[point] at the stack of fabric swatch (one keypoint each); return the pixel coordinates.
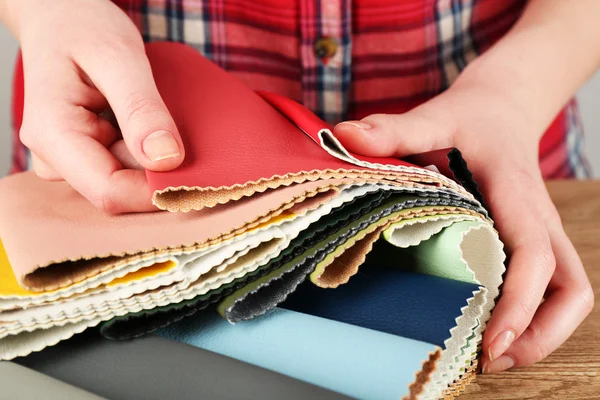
(371, 277)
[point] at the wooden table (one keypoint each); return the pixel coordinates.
(572, 371)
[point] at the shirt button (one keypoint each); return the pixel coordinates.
(325, 47)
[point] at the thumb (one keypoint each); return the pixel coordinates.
(148, 129)
(397, 135)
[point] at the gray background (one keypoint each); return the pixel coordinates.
(589, 98)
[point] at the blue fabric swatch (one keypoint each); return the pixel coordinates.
(417, 306)
(348, 359)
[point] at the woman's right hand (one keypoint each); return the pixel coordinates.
(81, 59)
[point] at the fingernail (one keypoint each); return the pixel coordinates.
(500, 344)
(160, 145)
(357, 124)
(501, 363)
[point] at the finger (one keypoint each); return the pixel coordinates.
(85, 162)
(64, 117)
(95, 173)
(532, 264)
(122, 73)
(120, 152)
(423, 129)
(65, 135)
(61, 102)
(94, 101)
(570, 299)
(87, 122)
(45, 73)
(570, 271)
(43, 170)
(89, 98)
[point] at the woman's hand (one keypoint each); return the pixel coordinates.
(82, 58)
(495, 113)
(496, 137)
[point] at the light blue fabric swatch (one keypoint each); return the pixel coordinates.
(348, 359)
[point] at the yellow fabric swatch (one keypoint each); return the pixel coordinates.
(8, 281)
(142, 273)
(284, 216)
(10, 287)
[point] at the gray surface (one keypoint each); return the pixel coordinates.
(589, 103)
(18, 382)
(8, 51)
(156, 368)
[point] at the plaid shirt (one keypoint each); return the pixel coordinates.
(347, 59)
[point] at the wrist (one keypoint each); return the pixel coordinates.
(504, 90)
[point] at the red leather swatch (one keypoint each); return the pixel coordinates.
(231, 135)
(234, 136)
(310, 124)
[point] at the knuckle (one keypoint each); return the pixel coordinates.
(539, 352)
(42, 174)
(552, 215)
(536, 350)
(105, 202)
(527, 176)
(110, 206)
(535, 353)
(522, 306)
(27, 137)
(546, 260)
(540, 255)
(45, 174)
(587, 297)
(379, 116)
(137, 107)
(526, 309)
(117, 46)
(96, 201)
(495, 200)
(379, 120)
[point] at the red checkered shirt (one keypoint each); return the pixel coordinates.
(347, 59)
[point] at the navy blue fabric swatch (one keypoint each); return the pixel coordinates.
(412, 305)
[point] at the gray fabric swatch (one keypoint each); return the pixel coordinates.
(156, 368)
(18, 382)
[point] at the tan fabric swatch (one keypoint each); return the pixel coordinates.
(55, 237)
(185, 199)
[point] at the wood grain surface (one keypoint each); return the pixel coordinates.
(572, 371)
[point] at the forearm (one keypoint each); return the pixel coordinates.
(540, 64)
